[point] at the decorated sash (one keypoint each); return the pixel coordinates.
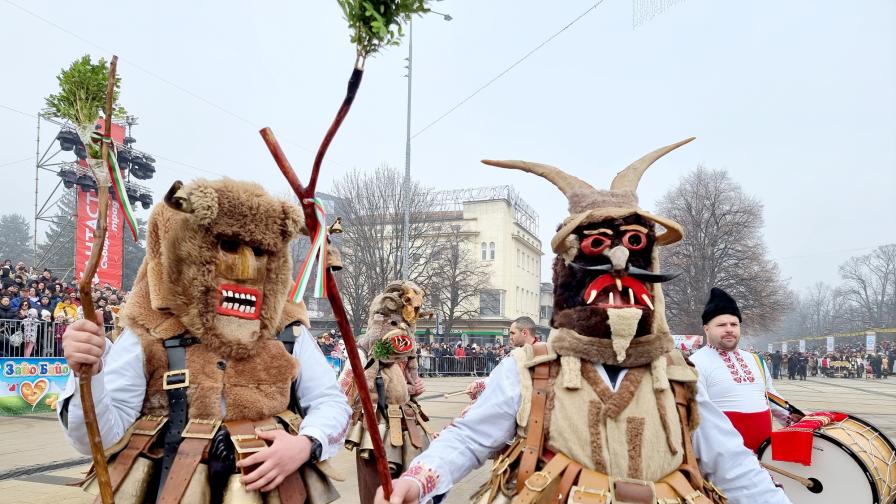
(794, 443)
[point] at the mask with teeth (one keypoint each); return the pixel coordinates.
(217, 265)
(606, 273)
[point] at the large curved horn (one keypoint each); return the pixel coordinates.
(628, 178)
(564, 181)
(177, 199)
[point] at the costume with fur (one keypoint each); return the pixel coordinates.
(606, 407)
(217, 271)
(391, 376)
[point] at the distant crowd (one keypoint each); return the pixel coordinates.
(36, 307)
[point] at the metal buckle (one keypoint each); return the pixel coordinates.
(247, 443)
(538, 481)
(647, 484)
(159, 422)
(393, 412)
(179, 372)
(579, 494)
(199, 435)
(692, 497)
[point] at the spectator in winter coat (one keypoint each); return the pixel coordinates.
(66, 308)
(7, 312)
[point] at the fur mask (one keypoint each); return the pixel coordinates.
(217, 265)
(393, 319)
(606, 272)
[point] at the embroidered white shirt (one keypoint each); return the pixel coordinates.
(119, 389)
(719, 374)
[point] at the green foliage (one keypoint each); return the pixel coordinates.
(378, 23)
(382, 349)
(82, 92)
(15, 239)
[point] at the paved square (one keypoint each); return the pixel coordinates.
(36, 462)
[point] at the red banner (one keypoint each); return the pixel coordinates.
(109, 269)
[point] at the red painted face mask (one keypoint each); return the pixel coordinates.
(401, 343)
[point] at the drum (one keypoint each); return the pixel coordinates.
(852, 462)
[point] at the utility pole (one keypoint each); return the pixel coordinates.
(406, 190)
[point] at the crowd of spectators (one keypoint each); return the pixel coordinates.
(36, 307)
(848, 360)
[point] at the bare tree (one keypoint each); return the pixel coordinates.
(722, 247)
(869, 284)
(370, 206)
(457, 278)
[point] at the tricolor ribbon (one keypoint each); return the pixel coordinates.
(318, 254)
(117, 181)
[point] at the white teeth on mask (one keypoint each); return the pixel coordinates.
(243, 296)
(618, 284)
(612, 301)
(647, 301)
(252, 297)
(591, 296)
(242, 309)
(230, 294)
(631, 297)
(252, 310)
(226, 306)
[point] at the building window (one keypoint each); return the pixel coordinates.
(490, 303)
(482, 249)
(491, 250)
(519, 258)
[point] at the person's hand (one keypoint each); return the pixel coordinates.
(404, 491)
(475, 388)
(794, 418)
(418, 387)
(283, 457)
(83, 344)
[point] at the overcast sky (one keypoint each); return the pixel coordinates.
(797, 100)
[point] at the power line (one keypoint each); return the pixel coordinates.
(29, 158)
(511, 67)
(26, 114)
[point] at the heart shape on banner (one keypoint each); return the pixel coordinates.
(31, 392)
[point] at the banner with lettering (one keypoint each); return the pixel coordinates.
(33, 385)
(830, 343)
(802, 345)
(784, 347)
(870, 341)
(771, 347)
(109, 269)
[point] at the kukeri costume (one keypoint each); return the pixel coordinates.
(209, 352)
(391, 371)
(606, 410)
(737, 381)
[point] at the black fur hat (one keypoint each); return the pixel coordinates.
(720, 303)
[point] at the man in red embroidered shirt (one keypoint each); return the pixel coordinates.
(736, 380)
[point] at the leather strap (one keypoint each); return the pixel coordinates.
(196, 437)
(683, 488)
(569, 478)
(288, 337)
(535, 425)
(176, 382)
(410, 420)
(689, 466)
(593, 488)
(145, 431)
(393, 414)
(422, 419)
(543, 482)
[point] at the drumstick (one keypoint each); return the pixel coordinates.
(803, 481)
(457, 393)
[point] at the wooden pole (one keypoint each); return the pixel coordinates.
(333, 295)
(85, 288)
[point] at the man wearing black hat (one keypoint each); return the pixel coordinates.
(736, 380)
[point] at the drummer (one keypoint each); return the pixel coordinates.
(736, 380)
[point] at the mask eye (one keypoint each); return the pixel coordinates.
(229, 246)
(634, 240)
(595, 244)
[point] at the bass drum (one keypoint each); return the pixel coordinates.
(852, 462)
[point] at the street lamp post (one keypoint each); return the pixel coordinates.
(406, 191)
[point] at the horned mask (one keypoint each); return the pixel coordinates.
(606, 272)
(393, 318)
(217, 265)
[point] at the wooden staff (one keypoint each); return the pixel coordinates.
(84, 287)
(453, 394)
(305, 196)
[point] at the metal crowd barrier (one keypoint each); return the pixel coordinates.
(48, 338)
(429, 366)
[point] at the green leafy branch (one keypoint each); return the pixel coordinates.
(82, 93)
(378, 23)
(382, 349)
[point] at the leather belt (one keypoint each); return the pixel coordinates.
(196, 437)
(414, 431)
(542, 482)
(535, 425)
(145, 431)
(393, 414)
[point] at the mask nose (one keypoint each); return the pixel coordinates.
(239, 265)
(618, 258)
